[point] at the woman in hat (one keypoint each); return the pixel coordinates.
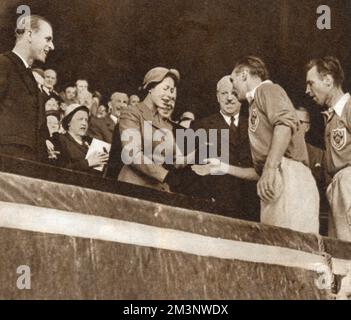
(141, 155)
(75, 142)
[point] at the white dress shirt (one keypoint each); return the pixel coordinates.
(228, 119)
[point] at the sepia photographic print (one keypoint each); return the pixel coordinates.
(194, 151)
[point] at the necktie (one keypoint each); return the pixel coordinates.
(232, 123)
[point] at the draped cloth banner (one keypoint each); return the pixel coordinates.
(82, 243)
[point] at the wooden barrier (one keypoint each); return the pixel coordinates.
(80, 243)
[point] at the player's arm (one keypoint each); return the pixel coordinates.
(280, 142)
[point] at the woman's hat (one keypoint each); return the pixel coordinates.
(70, 111)
(158, 74)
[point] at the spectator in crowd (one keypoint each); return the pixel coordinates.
(324, 82)
(52, 105)
(84, 97)
(119, 102)
(53, 122)
(95, 103)
(237, 196)
(75, 142)
(315, 155)
(50, 135)
(116, 105)
(69, 97)
(21, 111)
(102, 128)
(156, 109)
(50, 80)
(102, 111)
(133, 100)
(186, 119)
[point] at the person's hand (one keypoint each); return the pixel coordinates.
(98, 159)
(183, 161)
(212, 166)
(269, 186)
(51, 150)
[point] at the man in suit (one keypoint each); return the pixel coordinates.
(50, 80)
(115, 106)
(21, 113)
(84, 96)
(238, 197)
(104, 128)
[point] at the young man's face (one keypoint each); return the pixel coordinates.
(41, 42)
(317, 87)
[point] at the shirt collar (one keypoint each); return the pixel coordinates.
(339, 106)
(250, 96)
(114, 118)
(228, 119)
(19, 56)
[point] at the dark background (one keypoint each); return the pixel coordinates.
(114, 43)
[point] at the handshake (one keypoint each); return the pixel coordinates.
(212, 166)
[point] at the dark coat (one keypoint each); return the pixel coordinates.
(102, 128)
(114, 164)
(72, 154)
(21, 111)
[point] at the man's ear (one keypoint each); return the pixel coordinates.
(27, 36)
(217, 97)
(328, 80)
(244, 74)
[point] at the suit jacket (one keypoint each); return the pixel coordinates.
(237, 197)
(239, 146)
(144, 174)
(72, 154)
(114, 164)
(102, 128)
(21, 111)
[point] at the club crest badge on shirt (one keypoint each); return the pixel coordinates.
(338, 138)
(254, 120)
